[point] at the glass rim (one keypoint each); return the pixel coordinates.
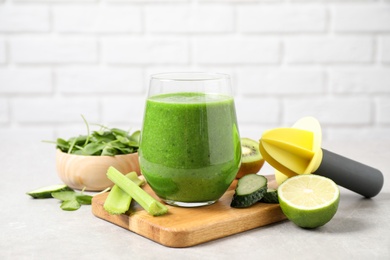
(189, 76)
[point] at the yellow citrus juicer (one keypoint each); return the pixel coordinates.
(297, 150)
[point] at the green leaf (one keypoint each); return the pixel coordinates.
(122, 139)
(84, 199)
(103, 136)
(106, 141)
(93, 149)
(109, 151)
(136, 136)
(70, 205)
(64, 195)
(119, 132)
(62, 144)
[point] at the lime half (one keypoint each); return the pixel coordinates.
(309, 200)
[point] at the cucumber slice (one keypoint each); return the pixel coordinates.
(45, 192)
(271, 196)
(250, 189)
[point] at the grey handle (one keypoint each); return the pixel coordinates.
(351, 174)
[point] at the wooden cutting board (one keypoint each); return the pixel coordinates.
(184, 227)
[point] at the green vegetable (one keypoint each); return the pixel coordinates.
(72, 200)
(105, 142)
(250, 189)
(118, 201)
(151, 205)
(70, 205)
(64, 195)
(45, 192)
(84, 199)
(271, 196)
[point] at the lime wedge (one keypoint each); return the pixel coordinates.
(309, 200)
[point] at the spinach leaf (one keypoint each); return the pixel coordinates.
(70, 205)
(71, 200)
(93, 149)
(105, 141)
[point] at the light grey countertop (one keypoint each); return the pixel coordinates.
(39, 229)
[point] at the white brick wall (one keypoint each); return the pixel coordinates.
(287, 59)
(145, 50)
(25, 18)
(329, 49)
(281, 81)
(360, 80)
(189, 19)
(3, 55)
(53, 50)
(81, 80)
(4, 117)
(385, 49)
(101, 19)
(46, 110)
(365, 17)
(230, 50)
(281, 19)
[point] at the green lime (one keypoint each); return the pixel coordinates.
(309, 200)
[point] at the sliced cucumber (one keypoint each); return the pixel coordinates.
(250, 189)
(45, 192)
(271, 196)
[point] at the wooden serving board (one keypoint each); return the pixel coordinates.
(184, 227)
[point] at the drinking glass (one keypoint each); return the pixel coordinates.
(190, 148)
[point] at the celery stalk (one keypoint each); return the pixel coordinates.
(151, 205)
(118, 201)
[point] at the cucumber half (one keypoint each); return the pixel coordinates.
(250, 189)
(45, 192)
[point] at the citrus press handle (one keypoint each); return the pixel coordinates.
(350, 174)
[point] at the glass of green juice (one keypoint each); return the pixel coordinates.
(190, 148)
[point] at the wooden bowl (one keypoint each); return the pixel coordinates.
(79, 171)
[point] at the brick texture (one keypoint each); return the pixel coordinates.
(361, 18)
(27, 50)
(99, 81)
(187, 19)
(25, 80)
(383, 111)
(26, 18)
(332, 111)
(137, 50)
(47, 110)
(4, 115)
(228, 50)
(385, 49)
(280, 81)
(286, 58)
(334, 49)
(360, 80)
(288, 19)
(92, 19)
(3, 57)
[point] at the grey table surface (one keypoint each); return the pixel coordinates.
(39, 229)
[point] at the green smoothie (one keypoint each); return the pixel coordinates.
(190, 147)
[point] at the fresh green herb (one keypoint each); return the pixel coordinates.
(72, 200)
(70, 205)
(103, 142)
(64, 195)
(118, 201)
(151, 205)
